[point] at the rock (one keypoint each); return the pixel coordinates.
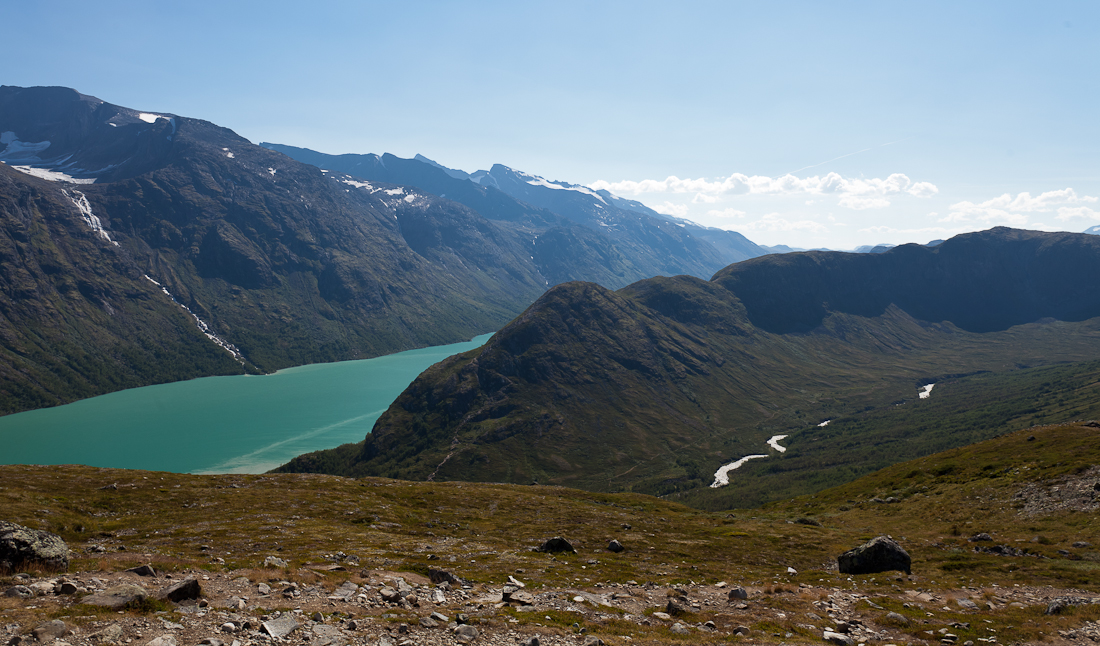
(19, 592)
(880, 554)
(211, 641)
(556, 544)
(465, 633)
(710, 625)
(143, 570)
(428, 622)
(967, 604)
(901, 620)
(118, 597)
(280, 627)
(664, 616)
(741, 630)
(385, 640)
(275, 562)
(112, 633)
(674, 608)
(615, 546)
(737, 593)
(317, 616)
(980, 537)
(1055, 607)
(679, 629)
(389, 595)
(837, 638)
(533, 640)
(438, 597)
(41, 588)
(443, 576)
(163, 640)
(67, 587)
(791, 570)
(21, 546)
(189, 588)
(440, 617)
(346, 590)
(516, 582)
(1080, 544)
(523, 598)
(843, 627)
(228, 627)
(593, 640)
(50, 630)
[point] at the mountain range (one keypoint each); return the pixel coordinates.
(653, 387)
(143, 247)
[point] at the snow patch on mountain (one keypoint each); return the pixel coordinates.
(52, 175)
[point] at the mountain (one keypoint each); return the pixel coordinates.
(655, 386)
(622, 239)
(139, 248)
(1093, 230)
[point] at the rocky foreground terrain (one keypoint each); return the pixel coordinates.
(324, 607)
(998, 540)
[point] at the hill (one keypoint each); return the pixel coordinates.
(139, 248)
(654, 387)
(1028, 493)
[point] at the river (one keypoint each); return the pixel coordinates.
(237, 424)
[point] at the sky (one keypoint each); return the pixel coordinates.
(809, 124)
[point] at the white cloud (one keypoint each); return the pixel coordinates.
(773, 222)
(857, 193)
(860, 203)
(739, 184)
(726, 213)
(675, 210)
(1077, 213)
(1010, 210)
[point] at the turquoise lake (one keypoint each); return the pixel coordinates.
(238, 424)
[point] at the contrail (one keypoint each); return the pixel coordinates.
(890, 143)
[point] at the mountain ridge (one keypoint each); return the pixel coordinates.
(653, 387)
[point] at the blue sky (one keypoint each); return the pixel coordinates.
(802, 123)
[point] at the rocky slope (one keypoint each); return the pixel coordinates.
(1001, 553)
(140, 248)
(653, 387)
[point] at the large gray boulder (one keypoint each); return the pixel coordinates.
(118, 597)
(880, 554)
(21, 546)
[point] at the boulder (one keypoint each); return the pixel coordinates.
(19, 592)
(466, 633)
(443, 576)
(189, 588)
(737, 593)
(880, 554)
(615, 546)
(21, 546)
(280, 627)
(143, 570)
(556, 544)
(275, 562)
(163, 640)
(50, 630)
(679, 629)
(118, 597)
(837, 638)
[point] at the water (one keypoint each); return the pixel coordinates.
(238, 424)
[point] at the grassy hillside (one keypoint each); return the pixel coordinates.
(1032, 490)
